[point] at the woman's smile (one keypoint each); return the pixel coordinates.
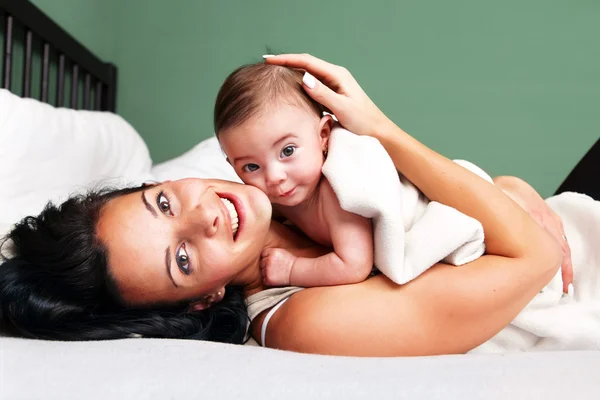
(234, 212)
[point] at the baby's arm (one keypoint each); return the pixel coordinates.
(350, 262)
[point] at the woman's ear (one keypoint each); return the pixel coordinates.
(325, 126)
(207, 301)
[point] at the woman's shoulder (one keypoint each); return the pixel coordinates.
(265, 299)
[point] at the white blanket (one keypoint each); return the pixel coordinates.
(410, 233)
(553, 321)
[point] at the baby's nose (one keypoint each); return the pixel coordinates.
(275, 176)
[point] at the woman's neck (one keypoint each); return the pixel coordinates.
(279, 236)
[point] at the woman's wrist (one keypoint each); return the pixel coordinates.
(386, 131)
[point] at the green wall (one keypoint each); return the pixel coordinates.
(512, 86)
(90, 21)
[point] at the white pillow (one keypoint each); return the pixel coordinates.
(47, 153)
(205, 160)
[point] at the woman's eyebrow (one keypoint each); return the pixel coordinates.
(148, 206)
(168, 250)
(168, 264)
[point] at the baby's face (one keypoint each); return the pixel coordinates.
(280, 151)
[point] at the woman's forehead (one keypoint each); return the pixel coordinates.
(124, 213)
(133, 239)
(126, 223)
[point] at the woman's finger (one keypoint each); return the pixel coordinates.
(567, 267)
(321, 93)
(567, 264)
(567, 275)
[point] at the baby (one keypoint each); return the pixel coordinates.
(275, 136)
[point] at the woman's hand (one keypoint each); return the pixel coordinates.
(336, 89)
(526, 197)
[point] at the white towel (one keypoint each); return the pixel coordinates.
(410, 233)
(553, 321)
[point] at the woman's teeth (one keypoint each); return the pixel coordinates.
(233, 213)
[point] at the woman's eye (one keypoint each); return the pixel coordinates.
(288, 151)
(164, 205)
(250, 167)
(183, 261)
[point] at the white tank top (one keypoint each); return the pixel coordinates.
(270, 298)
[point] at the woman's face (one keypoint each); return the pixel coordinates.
(179, 240)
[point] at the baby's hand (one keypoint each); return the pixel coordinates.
(276, 266)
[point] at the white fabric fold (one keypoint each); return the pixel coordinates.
(554, 321)
(410, 233)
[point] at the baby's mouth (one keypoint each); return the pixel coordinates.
(288, 193)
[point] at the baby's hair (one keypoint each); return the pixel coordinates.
(251, 88)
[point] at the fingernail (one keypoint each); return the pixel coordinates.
(309, 80)
(268, 55)
(571, 290)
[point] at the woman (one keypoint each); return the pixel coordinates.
(169, 261)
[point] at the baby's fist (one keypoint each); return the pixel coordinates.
(276, 266)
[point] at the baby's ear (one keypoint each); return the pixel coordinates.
(224, 154)
(325, 126)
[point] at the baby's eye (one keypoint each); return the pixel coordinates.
(250, 167)
(288, 151)
(183, 261)
(164, 204)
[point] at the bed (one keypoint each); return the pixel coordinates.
(99, 146)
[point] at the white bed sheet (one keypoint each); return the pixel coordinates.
(180, 369)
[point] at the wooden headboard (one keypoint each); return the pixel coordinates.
(92, 83)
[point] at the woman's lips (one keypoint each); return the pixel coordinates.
(230, 213)
(239, 208)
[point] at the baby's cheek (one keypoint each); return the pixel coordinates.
(313, 173)
(244, 178)
(254, 182)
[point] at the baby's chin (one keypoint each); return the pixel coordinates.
(288, 202)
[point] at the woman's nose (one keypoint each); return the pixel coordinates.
(204, 218)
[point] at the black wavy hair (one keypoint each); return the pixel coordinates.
(56, 285)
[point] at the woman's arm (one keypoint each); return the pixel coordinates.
(529, 200)
(447, 309)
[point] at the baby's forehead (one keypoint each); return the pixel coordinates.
(267, 101)
(274, 113)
